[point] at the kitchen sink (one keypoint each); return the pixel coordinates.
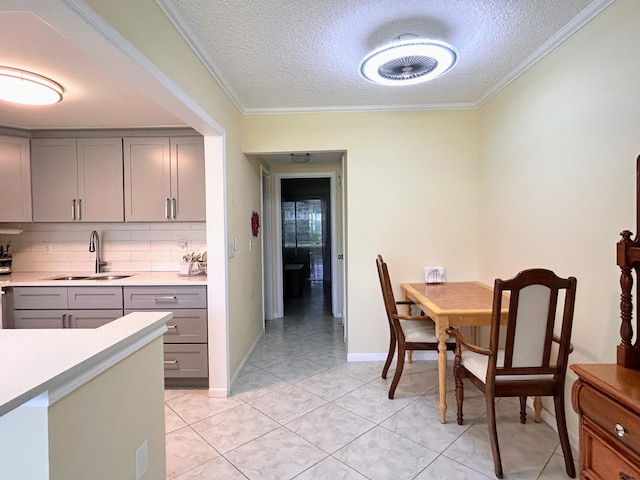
(108, 277)
(70, 277)
(89, 277)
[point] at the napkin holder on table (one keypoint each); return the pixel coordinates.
(434, 275)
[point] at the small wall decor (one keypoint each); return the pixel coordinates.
(255, 223)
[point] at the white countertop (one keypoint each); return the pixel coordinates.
(43, 279)
(58, 361)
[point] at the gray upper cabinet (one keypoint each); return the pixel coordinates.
(77, 179)
(15, 180)
(164, 179)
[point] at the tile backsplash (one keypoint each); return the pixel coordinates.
(126, 247)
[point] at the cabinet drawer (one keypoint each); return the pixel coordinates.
(603, 461)
(39, 318)
(165, 298)
(606, 414)
(95, 297)
(92, 318)
(181, 360)
(186, 326)
(39, 298)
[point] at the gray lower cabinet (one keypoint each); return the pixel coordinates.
(185, 343)
(64, 318)
(65, 307)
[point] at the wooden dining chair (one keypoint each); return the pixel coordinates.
(531, 360)
(406, 332)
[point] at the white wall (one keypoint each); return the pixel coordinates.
(411, 188)
(557, 152)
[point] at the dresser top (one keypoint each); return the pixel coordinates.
(619, 382)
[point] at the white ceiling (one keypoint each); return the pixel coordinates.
(303, 55)
(277, 56)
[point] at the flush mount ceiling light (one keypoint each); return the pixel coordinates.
(300, 157)
(407, 61)
(26, 88)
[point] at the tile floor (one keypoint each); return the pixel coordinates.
(300, 411)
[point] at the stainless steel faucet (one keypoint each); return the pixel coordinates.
(94, 246)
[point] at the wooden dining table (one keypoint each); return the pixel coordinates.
(453, 304)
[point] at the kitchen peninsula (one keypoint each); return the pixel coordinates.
(80, 403)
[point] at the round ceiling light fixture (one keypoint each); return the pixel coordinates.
(407, 61)
(27, 88)
(300, 157)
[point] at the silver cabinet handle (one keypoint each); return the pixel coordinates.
(173, 208)
(171, 365)
(620, 430)
(65, 323)
(172, 330)
(79, 216)
(167, 299)
(73, 209)
(167, 206)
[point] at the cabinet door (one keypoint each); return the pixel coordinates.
(187, 179)
(100, 180)
(147, 186)
(54, 176)
(92, 318)
(39, 318)
(15, 181)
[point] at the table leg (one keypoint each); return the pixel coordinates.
(441, 332)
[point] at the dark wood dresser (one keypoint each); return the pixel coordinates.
(607, 399)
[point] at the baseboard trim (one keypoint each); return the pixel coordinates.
(381, 357)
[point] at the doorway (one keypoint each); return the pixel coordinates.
(306, 247)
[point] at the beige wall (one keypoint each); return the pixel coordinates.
(233, 183)
(94, 431)
(411, 187)
(557, 172)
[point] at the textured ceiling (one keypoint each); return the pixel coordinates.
(275, 56)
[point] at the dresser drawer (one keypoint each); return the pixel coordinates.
(186, 326)
(609, 415)
(165, 298)
(188, 360)
(601, 460)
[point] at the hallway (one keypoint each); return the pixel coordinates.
(300, 411)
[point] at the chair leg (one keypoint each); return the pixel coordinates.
(523, 409)
(493, 434)
(399, 367)
(457, 359)
(459, 397)
(410, 356)
(561, 421)
(392, 351)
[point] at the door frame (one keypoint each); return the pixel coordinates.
(279, 284)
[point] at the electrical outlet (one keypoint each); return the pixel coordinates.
(142, 459)
(47, 248)
(183, 244)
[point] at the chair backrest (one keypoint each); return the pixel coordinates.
(534, 296)
(387, 290)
